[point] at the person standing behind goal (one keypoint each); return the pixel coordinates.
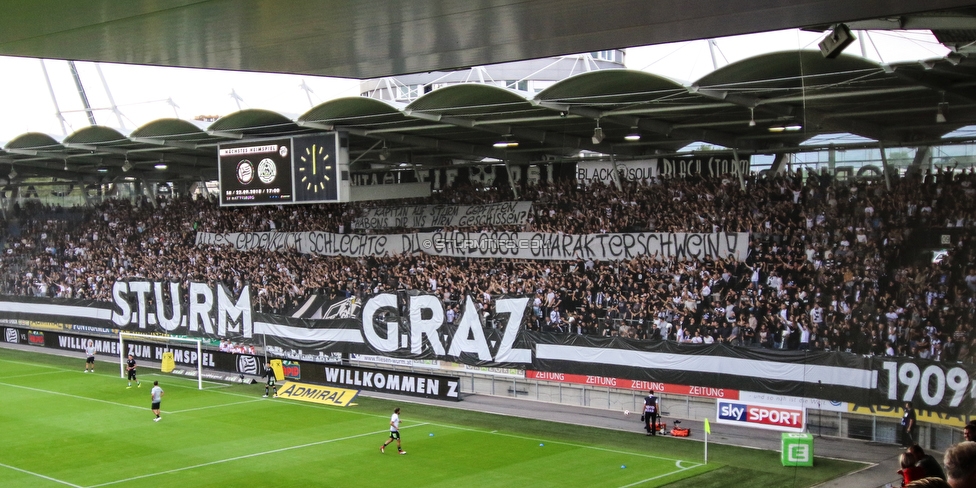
(130, 367)
(90, 356)
(270, 374)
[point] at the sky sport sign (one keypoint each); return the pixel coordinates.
(771, 417)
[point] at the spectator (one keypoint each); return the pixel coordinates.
(960, 465)
(927, 463)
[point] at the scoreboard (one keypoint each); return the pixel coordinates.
(279, 171)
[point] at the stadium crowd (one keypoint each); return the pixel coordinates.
(831, 266)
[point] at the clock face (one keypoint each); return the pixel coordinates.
(315, 171)
(316, 175)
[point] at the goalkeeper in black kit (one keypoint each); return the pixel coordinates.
(270, 374)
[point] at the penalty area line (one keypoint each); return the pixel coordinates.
(34, 374)
(665, 475)
(36, 365)
(246, 456)
(216, 384)
(39, 475)
(569, 444)
(215, 406)
(72, 396)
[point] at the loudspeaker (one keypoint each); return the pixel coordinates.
(835, 42)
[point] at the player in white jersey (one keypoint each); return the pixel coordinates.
(157, 396)
(90, 356)
(394, 432)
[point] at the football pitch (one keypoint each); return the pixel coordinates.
(63, 427)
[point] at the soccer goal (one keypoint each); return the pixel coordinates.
(152, 342)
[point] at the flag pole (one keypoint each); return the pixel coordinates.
(708, 430)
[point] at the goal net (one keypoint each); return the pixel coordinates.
(145, 347)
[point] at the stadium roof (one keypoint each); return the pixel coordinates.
(767, 104)
(762, 105)
(376, 38)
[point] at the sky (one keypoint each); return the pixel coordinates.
(146, 93)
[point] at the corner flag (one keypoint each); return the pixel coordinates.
(708, 430)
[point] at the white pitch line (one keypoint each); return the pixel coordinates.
(36, 365)
(32, 374)
(72, 396)
(246, 456)
(665, 475)
(581, 446)
(215, 406)
(171, 377)
(123, 404)
(40, 475)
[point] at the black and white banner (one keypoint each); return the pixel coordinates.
(426, 216)
(399, 382)
(518, 245)
(588, 172)
(711, 166)
(413, 325)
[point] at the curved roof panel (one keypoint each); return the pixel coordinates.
(168, 129)
(356, 111)
(468, 99)
(97, 135)
(254, 122)
(610, 86)
(33, 140)
(351, 108)
(790, 69)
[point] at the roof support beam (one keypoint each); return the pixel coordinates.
(777, 106)
(428, 142)
(921, 155)
(935, 82)
(862, 128)
(524, 133)
(118, 151)
(645, 123)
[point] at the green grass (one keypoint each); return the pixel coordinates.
(61, 427)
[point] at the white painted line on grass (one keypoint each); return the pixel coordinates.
(72, 396)
(40, 475)
(665, 475)
(581, 446)
(36, 365)
(184, 378)
(124, 404)
(215, 406)
(32, 374)
(246, 456)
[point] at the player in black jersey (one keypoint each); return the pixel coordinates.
(270, 374)
(130, 367)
